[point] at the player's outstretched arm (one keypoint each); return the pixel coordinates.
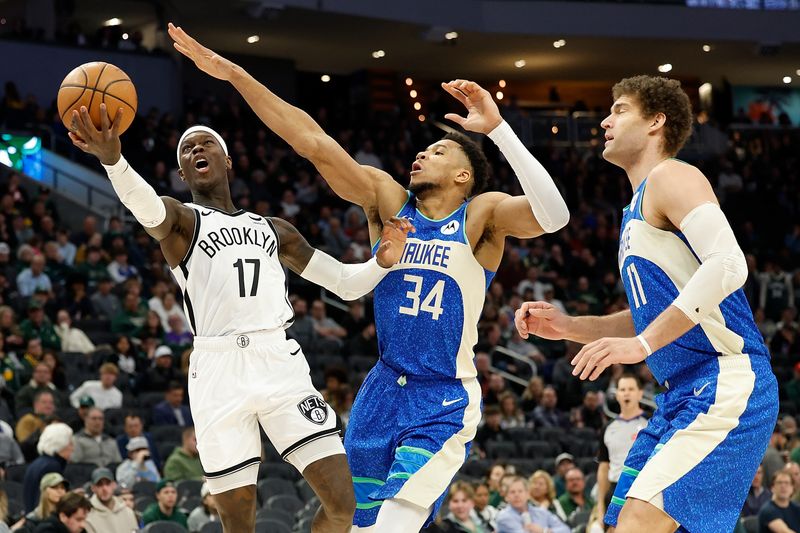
(544, 320)
(541, 209)
(164, 218)
(348, 282)
(346, 177)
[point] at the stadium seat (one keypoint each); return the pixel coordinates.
(476, 467)
(304, 490)
(212, 527)
(537, 449)
(587, 434)
(143, 502)
(190, 502)
(274, 485)
(521, 435)
(303, 526)
(281, 470)
(144, 488)
(750, 524)
(587, 464)
(361, 363)
(280, 515)
(188, 487)
(149, 399)
(272, 526)
(13, 490)
(167, 433)
(271, 455)
(163, 526)
(578, 518)
(79, 473)
(286, 502)
(501, 450)
(166, 447)
(16, 472)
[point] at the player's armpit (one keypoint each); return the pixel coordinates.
(176, 232)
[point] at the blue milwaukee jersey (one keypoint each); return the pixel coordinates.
(655, 266)
(427, 308)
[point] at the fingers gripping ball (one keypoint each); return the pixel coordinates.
(92, 84)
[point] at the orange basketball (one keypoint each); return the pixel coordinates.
(92, 84)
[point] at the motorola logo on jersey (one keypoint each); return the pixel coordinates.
(450, 228)
(314, 409)
(215, 241)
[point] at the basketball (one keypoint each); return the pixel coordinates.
(92, 84)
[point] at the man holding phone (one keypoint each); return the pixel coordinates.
(138, 466)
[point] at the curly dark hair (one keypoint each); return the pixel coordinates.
(477, 160)
(655, 95)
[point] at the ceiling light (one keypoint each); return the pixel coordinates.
(787, 79)
(377, 54)
(413, 93)
(706, 48)
(666, 67)
(451, 35)
(559, 43)
(798, 72)
(124, 36)
(499, 95)
(554, 129)
(325, 78)
(519, 63)
(502, 83)
(417, 106)
(3, 20)
(421, 118)
(113, 22)
(253, 39)
(409, 82)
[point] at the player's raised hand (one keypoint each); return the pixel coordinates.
(482, 113)
(602, 353)
(541, 319)
(206, 59)
(393, 240)
(103, 143)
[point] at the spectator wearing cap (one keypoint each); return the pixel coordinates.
(94, 446)
(52, 488)
(164, 507)
(37, 325)
(564, 462)
(134, 427)
(105, 303)
(72, 339)
(69, 516)
(163, 372)
(138, 466)
(172, 411)
(44, 405)
(55, 448)
(84, 404)
(33, 277)
(109, 513)
(204, 513)
(103, 391)
(42, 380)
(184, 461)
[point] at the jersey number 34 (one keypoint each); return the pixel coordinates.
(432, 303)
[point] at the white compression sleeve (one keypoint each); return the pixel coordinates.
(723, 268)
(136, 194)
(348, 282)
(546, 202)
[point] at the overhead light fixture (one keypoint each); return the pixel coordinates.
(325, 78)
(124, 36)
(666, 67)
(502, 83)
(798, 72)
(417, 106)
(113, 22)
(451, 35)
(421, 118)
(409, 82)
(519, 63)
(253, 39)
(706, 48)
(2, 21)
(377, 54)
(554, 129)
(559, 43)
(413, 93)
(787, 79)
(499, 95)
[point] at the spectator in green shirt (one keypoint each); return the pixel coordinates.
(793, 387)
(130, 318)
(184, 462)
(93, 269)
(575, 499)
(165, 507)
(39, 326)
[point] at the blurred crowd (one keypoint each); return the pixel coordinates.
(92, 328)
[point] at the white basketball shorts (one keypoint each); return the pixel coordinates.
(240, 381)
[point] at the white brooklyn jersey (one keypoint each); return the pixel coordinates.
(231, 278)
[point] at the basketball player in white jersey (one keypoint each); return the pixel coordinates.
(417, 412)
(243, 370)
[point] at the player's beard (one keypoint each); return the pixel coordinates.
(423, 189)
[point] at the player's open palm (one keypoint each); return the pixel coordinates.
(206, 59)
(482, 113)
(541, 319)
(393, 240)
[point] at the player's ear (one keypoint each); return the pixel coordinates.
(463, 176)
(180, 173)
(228, 162)
(658, 121)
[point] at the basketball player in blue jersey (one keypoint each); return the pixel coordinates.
(683, 270)
(244, 372)
(418, 410)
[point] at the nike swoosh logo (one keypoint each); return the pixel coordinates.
(206, 213)
(445, 403)
(295, 352)
(698, 392)
(256, 218)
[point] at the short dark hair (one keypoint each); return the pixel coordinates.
(71, 503)
(477, 160)
(634, 377)
(657, 94)
(491, 410)
(38, 394)
(174, 385)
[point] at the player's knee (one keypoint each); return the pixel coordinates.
(341, 506)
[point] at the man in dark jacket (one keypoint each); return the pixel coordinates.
(172, 411)
(69, 517)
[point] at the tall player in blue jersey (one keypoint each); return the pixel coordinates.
(683, 270)
(418, 410)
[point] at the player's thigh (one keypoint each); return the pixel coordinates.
(637, 516)
(330, 479)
